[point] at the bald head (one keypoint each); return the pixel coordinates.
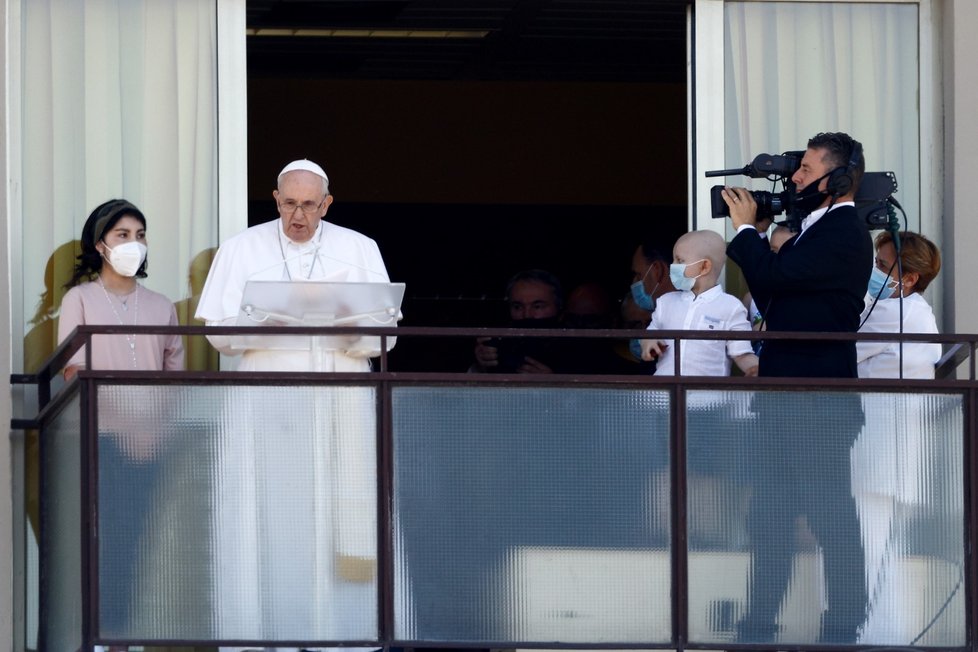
(704, 244)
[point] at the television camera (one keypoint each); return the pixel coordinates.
(874, 201)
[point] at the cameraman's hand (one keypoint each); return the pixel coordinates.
(743, 208)
(486, 356)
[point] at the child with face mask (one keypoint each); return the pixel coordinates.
(715, 423)
(699, 303)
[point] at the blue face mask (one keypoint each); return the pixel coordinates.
(878, 280)
(677, 274)
(643, 299)
(635, 347)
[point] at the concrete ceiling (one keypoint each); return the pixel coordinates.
(512, 40)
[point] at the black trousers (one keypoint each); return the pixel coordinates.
(802, 468)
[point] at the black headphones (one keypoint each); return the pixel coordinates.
(841, 180)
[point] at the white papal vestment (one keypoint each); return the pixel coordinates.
(295, 492)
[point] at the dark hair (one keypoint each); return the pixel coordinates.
(102, 219)
(539, 276)
(917, 254)
(652, 254)
(839, 150)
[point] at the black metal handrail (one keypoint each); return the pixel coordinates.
(960, 349)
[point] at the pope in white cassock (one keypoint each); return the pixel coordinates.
(295, 523)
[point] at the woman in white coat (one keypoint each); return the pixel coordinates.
(890, 456)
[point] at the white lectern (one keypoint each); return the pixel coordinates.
(318, 303)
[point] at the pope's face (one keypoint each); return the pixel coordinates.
(301, 203)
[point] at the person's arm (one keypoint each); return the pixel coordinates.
(743, 208)
(828, 258)
(223, 342)
(748, 363)
(652, 349)
(740, 351)
(72, 315)
(220, 298)
(883, 319)
(486, 355)
(533, 366)
(173, 350)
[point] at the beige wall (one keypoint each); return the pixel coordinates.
(959, 21)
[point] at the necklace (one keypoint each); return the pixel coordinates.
(130, 338)
(314, 251)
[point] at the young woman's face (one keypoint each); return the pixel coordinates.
(127, 229)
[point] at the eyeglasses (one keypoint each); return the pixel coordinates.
(290, 206)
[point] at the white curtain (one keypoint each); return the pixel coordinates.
(119, 99)
(793, 69)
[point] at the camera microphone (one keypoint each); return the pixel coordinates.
(729, 173)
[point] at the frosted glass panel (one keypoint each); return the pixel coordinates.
(907, 468)
(242, 513)
(531, 514)
(825, 518)
(61, 569)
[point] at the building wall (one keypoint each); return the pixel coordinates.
(960, 94)
(6, 480)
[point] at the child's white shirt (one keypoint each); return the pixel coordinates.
(714, 310)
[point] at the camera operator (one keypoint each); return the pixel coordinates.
(816, 282)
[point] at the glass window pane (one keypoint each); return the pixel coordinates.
(531, 514)
(825, 517)
(61, 567)
(238, 512)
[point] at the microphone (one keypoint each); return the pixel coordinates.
(729, 172)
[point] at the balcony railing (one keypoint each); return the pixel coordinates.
(442, 509)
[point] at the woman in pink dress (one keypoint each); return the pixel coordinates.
(105, 289)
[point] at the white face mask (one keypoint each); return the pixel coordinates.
(127, 258)
(677, 274)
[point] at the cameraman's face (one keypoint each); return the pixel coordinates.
(532, 300)
(813, 167)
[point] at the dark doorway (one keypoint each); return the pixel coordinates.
(551, 135)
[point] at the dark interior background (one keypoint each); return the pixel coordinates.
(556, 138)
